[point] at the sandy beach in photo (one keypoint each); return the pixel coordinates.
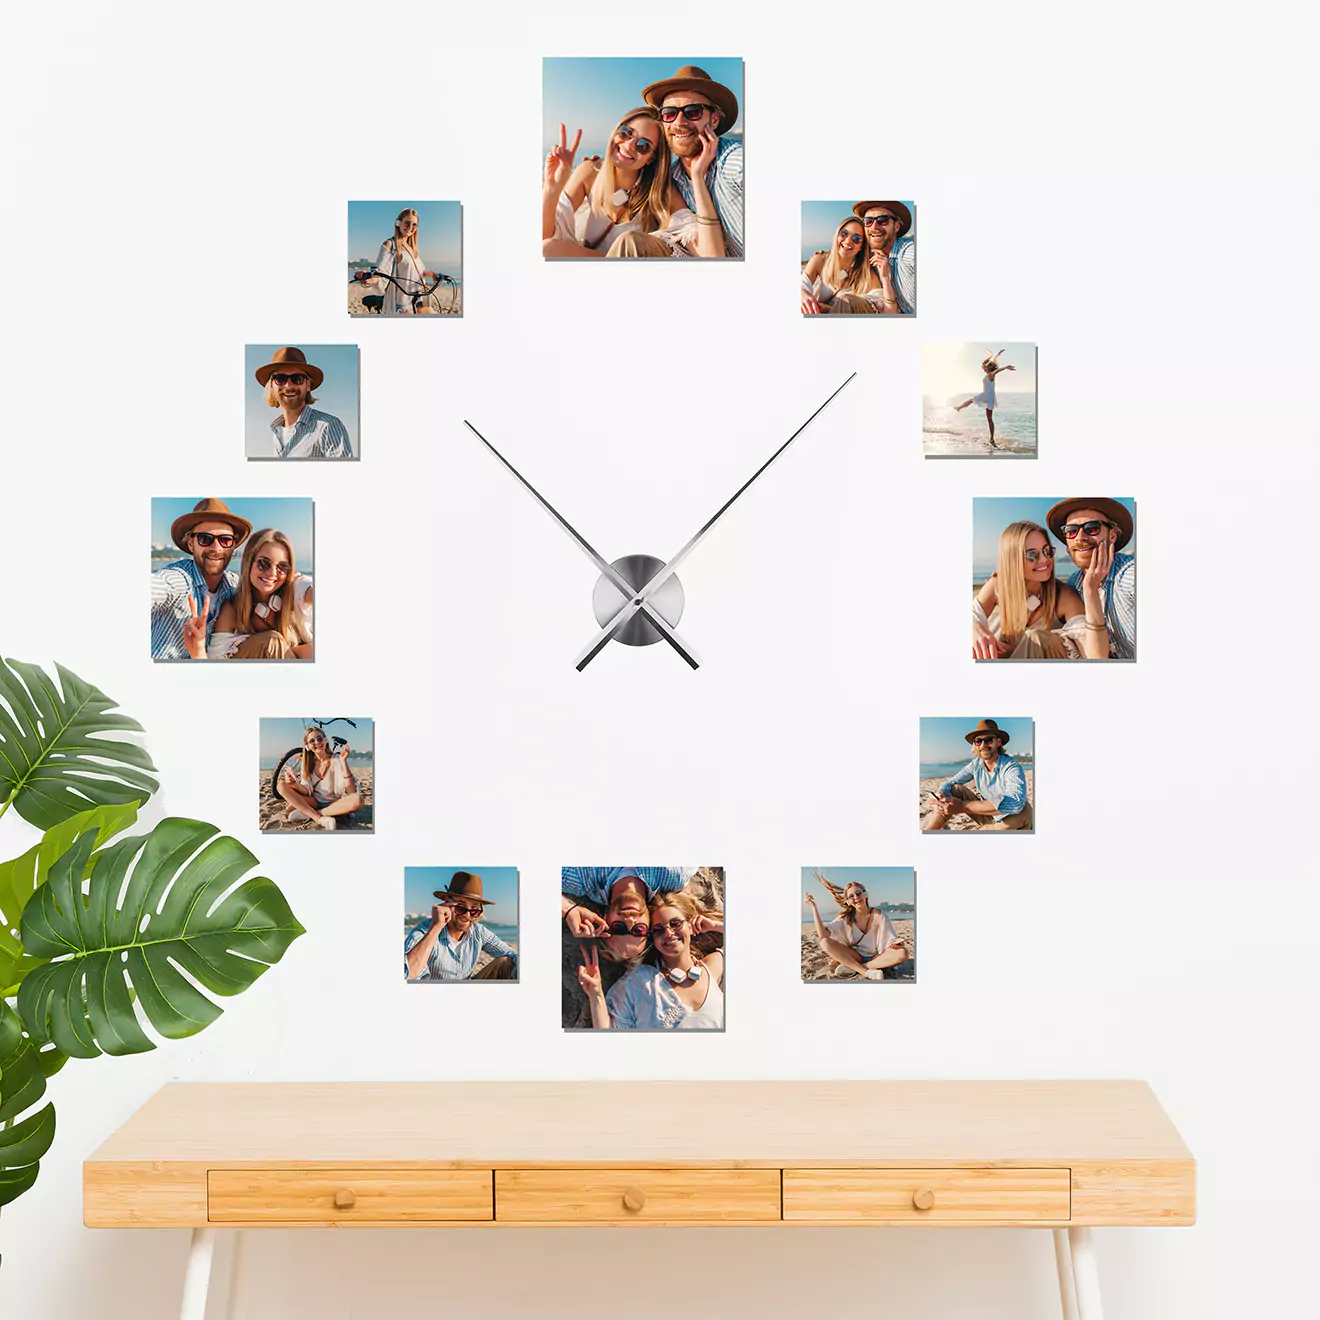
(928, 786)
(356, 307)
(272, 811)
(816, 964)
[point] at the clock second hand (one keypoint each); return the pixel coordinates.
(617, 580)
(638, 598)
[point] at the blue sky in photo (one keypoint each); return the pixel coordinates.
(594, 94)
(499, 885)
(949, 369)
(293, 517)
(990, 515)
(337, 394)
(278, 735)
(942, 736)
(884, 884)
(439, 232)
(821, 221)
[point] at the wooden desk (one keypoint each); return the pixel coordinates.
(1066, 1156)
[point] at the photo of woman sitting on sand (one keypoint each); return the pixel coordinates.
(831, 278)
(585, 210)
(861, 943)
(315, 777)
(645, 962)
(269, 616)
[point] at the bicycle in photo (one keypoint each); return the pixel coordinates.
(375, 302)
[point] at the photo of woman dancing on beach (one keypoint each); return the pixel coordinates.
(1024, 612)
(585, 210)
(838, 280)
(318, 785)
(400, 257)
(270, 614)
(986, 399)
(860, 941)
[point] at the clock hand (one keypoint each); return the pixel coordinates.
(620, 583)
(637, 599)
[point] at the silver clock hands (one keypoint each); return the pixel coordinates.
(620, 583)
(638, 599)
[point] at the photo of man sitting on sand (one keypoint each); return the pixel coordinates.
(464, 924)
(859, 259)
(992, 791)
(664, 177)
(642, 948)
(316, 774)
(859, 923)
(281, 377)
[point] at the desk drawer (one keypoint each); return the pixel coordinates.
(353, 1196)
(927, 1195)
(629, 1196)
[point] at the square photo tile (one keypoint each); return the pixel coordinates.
(642, 948)
(316, 776)
(859, 923)
(859, 258)
(642, 158)
(460, 923)
(300, 401)
(977, 773)
(978, 401)
(231, 578)
(1054, 579)
(405, 258)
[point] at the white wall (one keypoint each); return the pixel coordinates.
(1134, 190)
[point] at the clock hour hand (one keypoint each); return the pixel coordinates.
(638, 599)
(620, 583)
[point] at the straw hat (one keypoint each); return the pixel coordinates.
(286, 358)
(1111, 509)
(988, 726)
(904, 215)
(463, 885)
(690, 78)
(208, 511)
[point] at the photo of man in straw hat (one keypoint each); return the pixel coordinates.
(990, 790)
(298, 430)
(858, 259)
(453, 943)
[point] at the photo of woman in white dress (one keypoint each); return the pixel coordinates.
(400, 257)
(986, 399)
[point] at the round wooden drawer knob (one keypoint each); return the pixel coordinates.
(633, 1199)
(923, 1199)
(345, 1200)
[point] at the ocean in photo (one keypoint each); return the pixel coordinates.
(943, 769)
(949, 434)
(509, 934)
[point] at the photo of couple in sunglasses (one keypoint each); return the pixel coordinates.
(1054, 579)
(643, 158)
(859, 258)
(642, 948)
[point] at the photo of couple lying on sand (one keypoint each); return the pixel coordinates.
(1022, 611)
(669, 179)
(202, 609)
(642, 948)
(868, 931)
(310, 779)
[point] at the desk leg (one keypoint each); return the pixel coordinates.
(1086, 1276)
(236, 1301)
(197, 1281)
(1063, 1261)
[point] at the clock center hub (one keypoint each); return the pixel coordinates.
(637, 570)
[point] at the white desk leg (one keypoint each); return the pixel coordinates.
(236, 1302)
(197, 1281)
(1063, 1261)
(1085, 1274)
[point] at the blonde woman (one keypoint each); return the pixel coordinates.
(673, 987)
(1025, 613)
(986, 399)
(839, 280)
(269, 616)
(318, 785)
(584, 211)
(399, 256)
(860, 939)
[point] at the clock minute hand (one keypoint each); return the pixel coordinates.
(620, 583)
(638, 599)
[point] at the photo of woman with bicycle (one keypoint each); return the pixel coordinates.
(316, 774)
(417, 269)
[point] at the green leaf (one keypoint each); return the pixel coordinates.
(51, 765)
(22, 1084)
(20, 879)
(105, 951)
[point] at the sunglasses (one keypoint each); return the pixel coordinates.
(674, 923)
(1091, 527)
(978, 742)
(1032, 555)
(849, 238)
(226, 539)
(623, 928)
(289, 378)
(872, 220)
(265, 565)
(644, 145)
(669, 113)
(462, 909)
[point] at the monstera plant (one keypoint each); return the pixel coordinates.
(104, 935)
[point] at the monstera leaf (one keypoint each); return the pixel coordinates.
(20, 879)
(22, 1084)
(51, 764)
(177, 930)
